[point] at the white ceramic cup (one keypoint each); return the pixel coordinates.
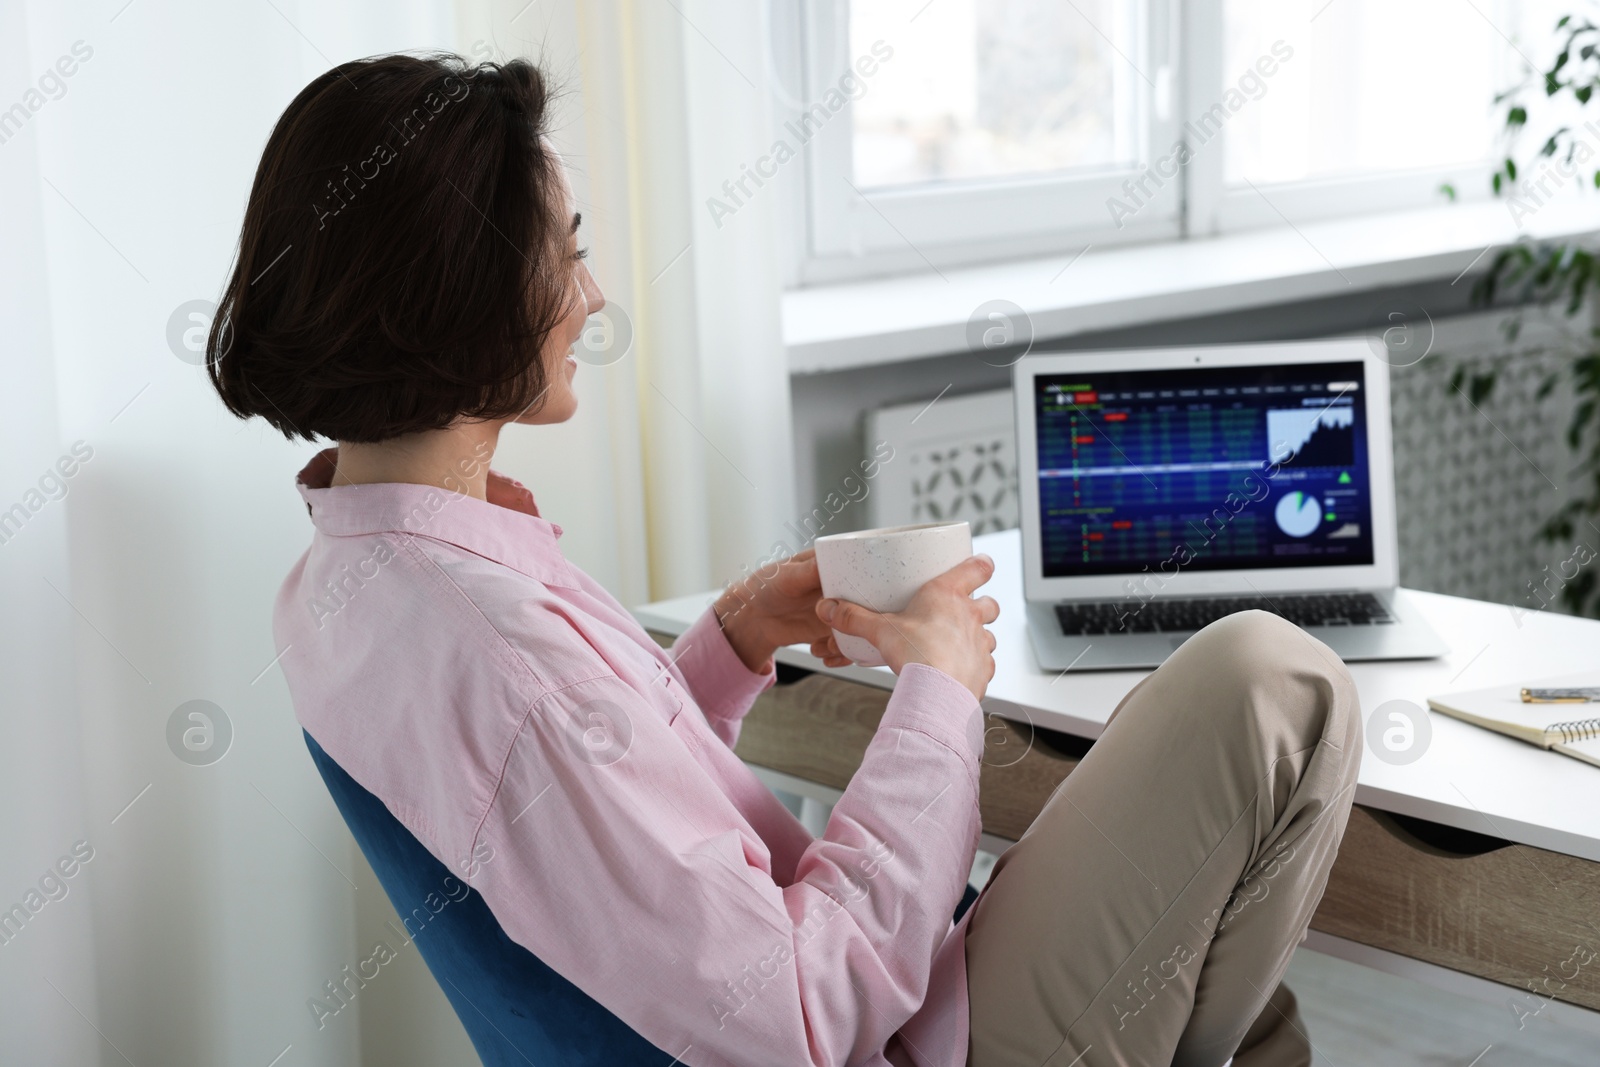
(883, 569)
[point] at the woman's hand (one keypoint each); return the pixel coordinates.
(942, 626)
(773, 608)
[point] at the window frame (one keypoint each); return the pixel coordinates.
(889, 229)
(849, 233)
(1212, 208)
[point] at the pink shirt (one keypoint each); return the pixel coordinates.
(526, 729)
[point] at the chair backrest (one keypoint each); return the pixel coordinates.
(515, 1009)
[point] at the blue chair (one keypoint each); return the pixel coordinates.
(515, 1009)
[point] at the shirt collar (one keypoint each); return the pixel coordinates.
(506, 528)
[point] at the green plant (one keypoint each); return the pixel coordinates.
(1555, 276)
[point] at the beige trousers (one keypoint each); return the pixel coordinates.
(1149, 913)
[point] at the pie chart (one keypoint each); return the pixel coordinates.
(1298, 515)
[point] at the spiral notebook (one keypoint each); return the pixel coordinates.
(1570, 729)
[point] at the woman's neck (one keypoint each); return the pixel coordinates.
(455, 458)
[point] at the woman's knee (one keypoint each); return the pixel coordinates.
(1266, 665)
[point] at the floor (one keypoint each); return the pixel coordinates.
(1358, 1017)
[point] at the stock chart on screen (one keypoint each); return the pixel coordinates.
(1208, 468)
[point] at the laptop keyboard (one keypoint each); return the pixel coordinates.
(1182, 616)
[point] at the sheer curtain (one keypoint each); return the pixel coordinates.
(670, 99)
(221, 894)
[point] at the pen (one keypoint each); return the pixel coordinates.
(1560, 696)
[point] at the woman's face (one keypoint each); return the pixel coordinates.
(584, 298)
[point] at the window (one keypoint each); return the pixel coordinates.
(995, 127)
(1333, 109)
(976, 130)
(986, 90)
(1375, 107)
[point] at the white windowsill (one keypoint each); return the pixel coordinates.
(887, 320)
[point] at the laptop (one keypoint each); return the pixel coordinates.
(1163, 489)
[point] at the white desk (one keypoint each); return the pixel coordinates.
(1468, 778)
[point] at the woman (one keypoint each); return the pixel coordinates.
(409, 283)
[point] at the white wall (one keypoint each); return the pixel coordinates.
(217, 903)
(41, 791)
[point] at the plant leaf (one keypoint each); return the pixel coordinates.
(1581, 417)
(1482, 386)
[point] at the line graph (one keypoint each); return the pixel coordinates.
(1312, 437)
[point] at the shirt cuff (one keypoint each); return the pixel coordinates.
(713, 672)
(928, 700)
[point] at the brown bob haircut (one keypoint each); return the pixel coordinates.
(403, 254)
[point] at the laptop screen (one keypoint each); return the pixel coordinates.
(1213, 468)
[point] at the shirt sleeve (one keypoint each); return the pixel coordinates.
(716, 677)
(623, 866)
